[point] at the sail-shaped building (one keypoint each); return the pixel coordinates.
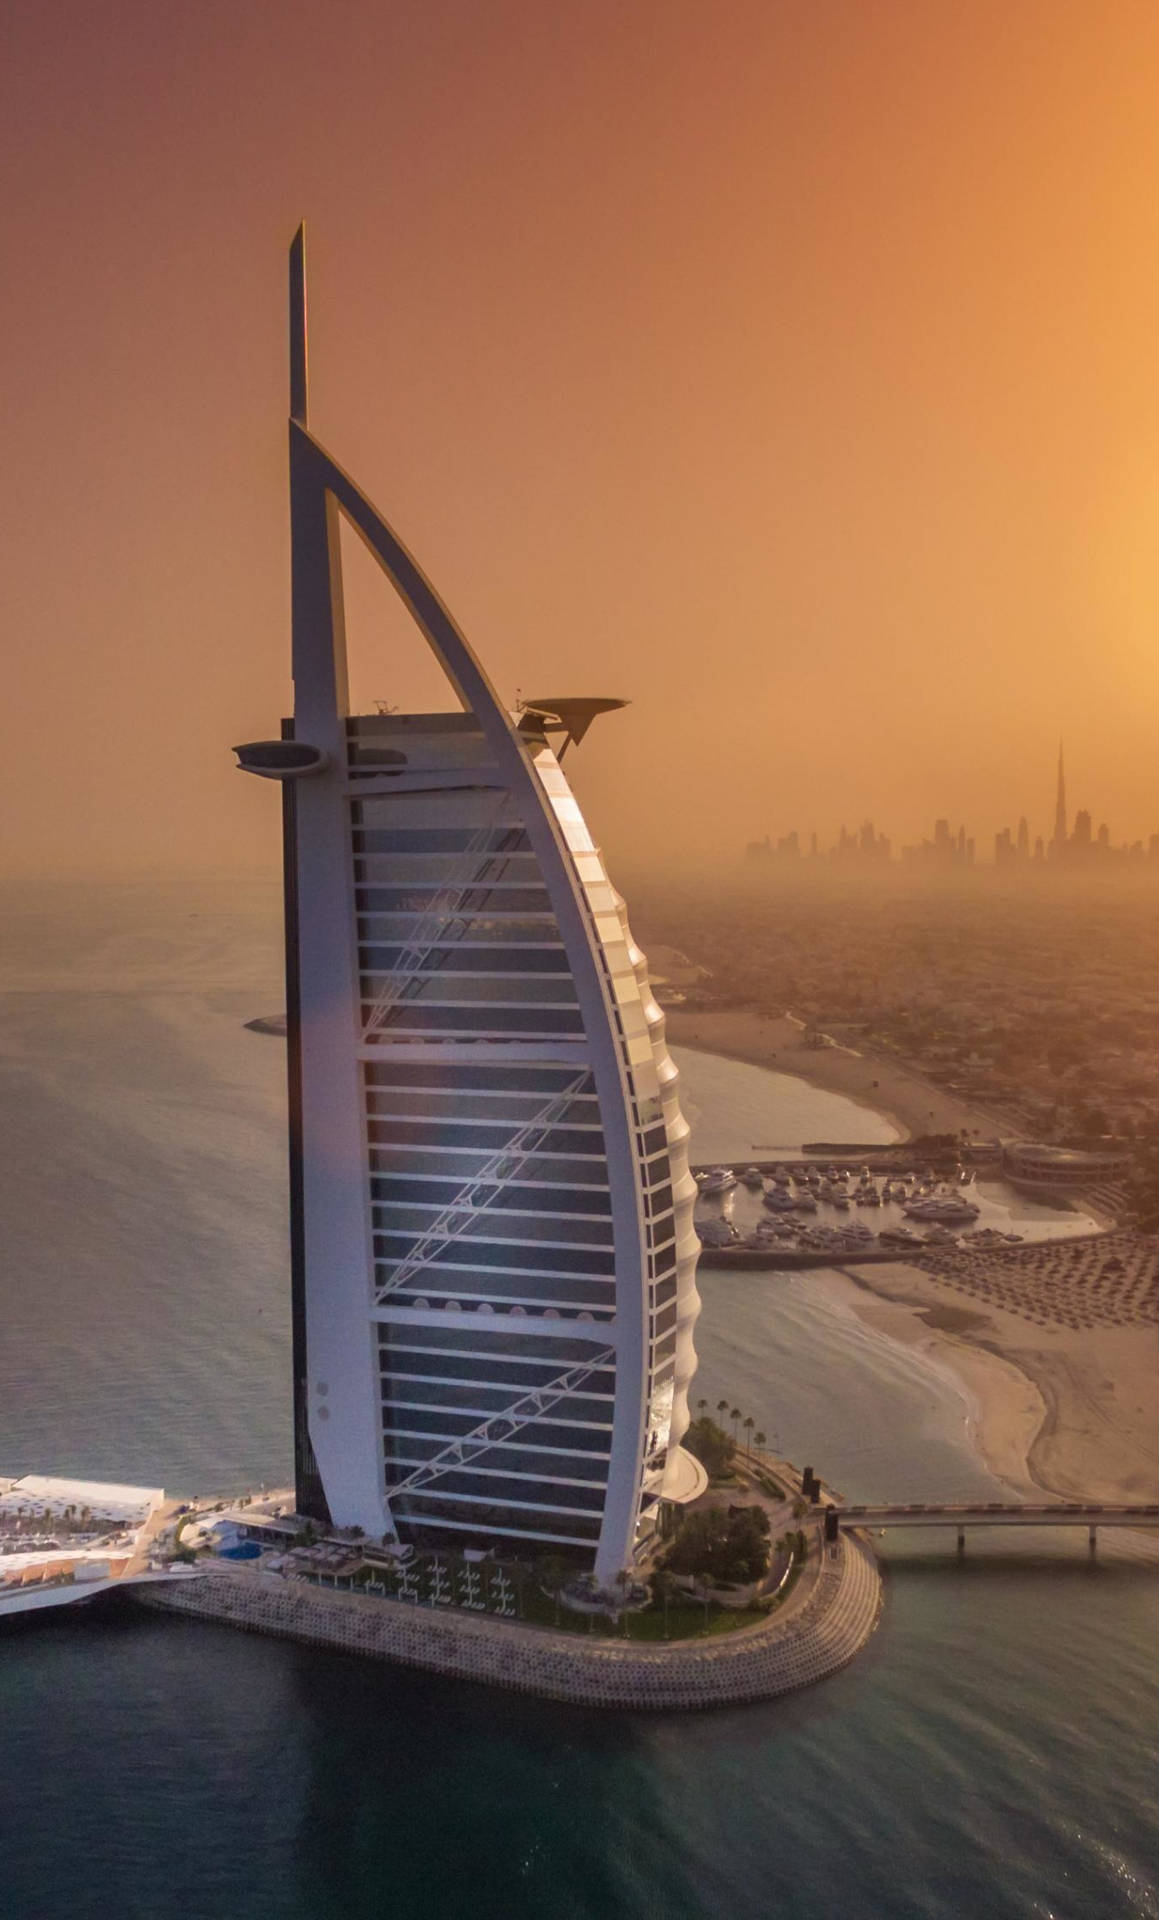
(493, 1257)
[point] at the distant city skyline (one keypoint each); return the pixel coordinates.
(851, 426)
(1076, 847)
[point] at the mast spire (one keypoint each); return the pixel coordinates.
(1060, 820)
(298, 371)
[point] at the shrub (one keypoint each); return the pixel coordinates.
(725, 1544)
(710, 1444)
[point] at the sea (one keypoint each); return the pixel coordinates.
(994, 1754)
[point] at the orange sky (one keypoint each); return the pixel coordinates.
(792, 371)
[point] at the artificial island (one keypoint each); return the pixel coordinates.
(493, 1255)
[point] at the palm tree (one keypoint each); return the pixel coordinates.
(749, 1423)
(554, 1571)
(759, 1440)
(703, 1589)
(664, 1585)
(734, 1416)
(620, 1583)
(722, 1406)
(702, 1407)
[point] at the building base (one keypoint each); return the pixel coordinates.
(821, 1632)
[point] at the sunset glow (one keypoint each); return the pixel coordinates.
(791, 374)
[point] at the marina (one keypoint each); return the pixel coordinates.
(796, 1213)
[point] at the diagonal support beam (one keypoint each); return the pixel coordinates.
(499, 1171)
(502, 1426)
(439, 918)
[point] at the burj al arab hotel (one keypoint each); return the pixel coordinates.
(493, 1257)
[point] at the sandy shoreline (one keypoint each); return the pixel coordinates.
(1067, 1412)
(1070, 1414)
(915, 1106)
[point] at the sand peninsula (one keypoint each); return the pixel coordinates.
(1061, 1391)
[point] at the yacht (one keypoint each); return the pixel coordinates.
(943, 1209)
(778, 1201)
(899, 1237)
(716, 1233)
(718, 1180)
(942, 1213)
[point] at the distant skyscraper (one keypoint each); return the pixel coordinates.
(1023, 839)
(491, 1207)
(1060, 825)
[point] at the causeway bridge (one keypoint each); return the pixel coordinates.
(992, 1514)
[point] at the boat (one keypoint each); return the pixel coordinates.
(943, 1210)
(753, 1178)
(899, 1237)
(717, 1233)
(718, 1180)
(778, 1201)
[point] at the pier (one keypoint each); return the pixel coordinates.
(992, 1514)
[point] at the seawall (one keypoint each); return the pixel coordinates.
(818, 1635)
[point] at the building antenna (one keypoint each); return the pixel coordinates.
(299, 393)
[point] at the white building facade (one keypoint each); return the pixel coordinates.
(491, 1207)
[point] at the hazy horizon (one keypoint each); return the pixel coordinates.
(790, 375)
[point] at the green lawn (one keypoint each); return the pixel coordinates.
(687, 1622)
(686, 1618)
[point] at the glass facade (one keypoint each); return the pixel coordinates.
(498, 1261)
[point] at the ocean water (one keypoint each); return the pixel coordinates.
(737, 1111)
(994, 1753)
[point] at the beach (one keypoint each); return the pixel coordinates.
(1072, 1414)
(913, 1104)
(1066, 1411)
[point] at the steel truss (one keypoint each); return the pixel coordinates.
(502, 1426)
(440, 923)
(499, 1171)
